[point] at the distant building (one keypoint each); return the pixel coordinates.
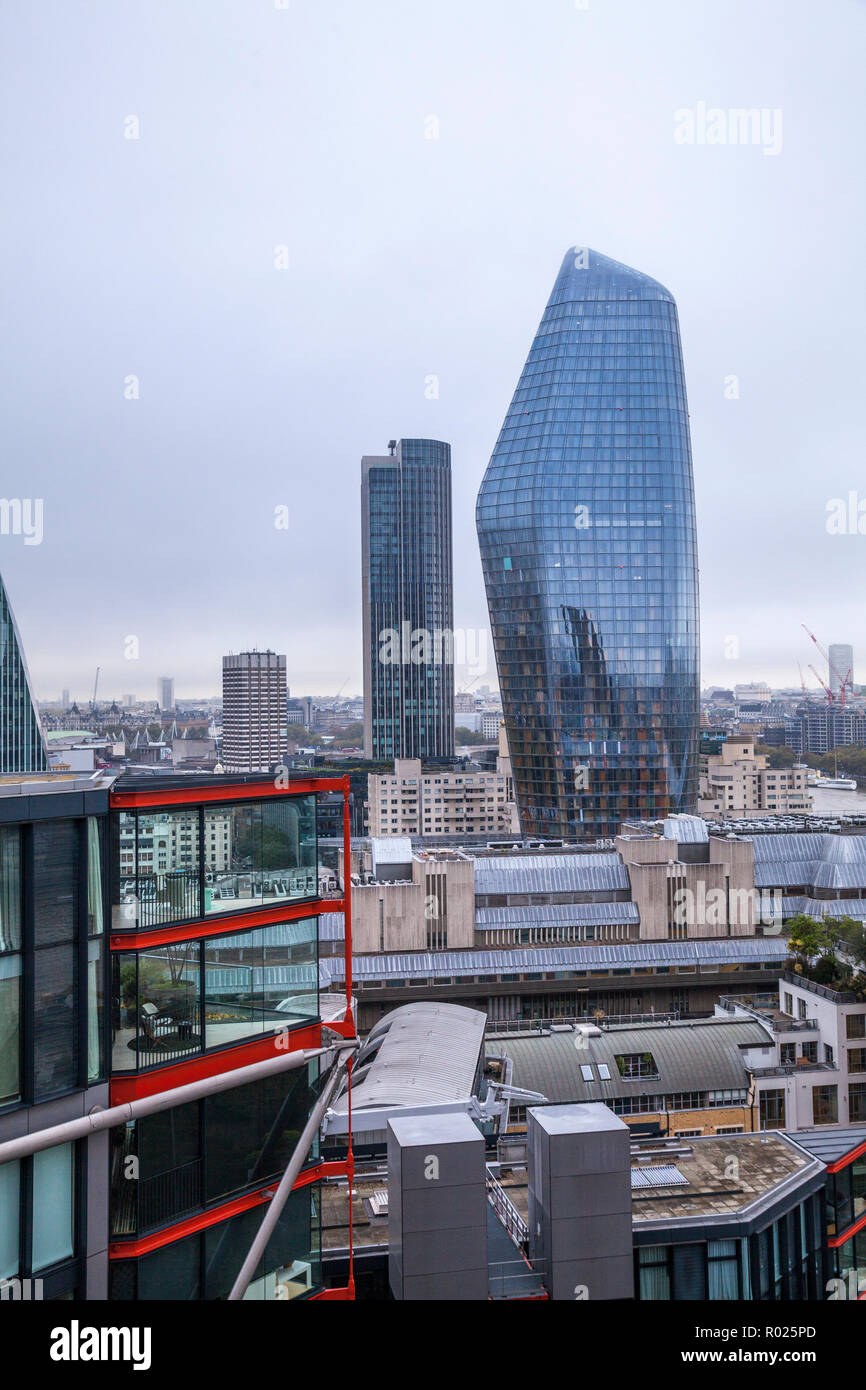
(841, 665)
(754, 693)
(407, 583)
(254, 711)
(64, 699)
(490, 724)
(22, 744)
(736, 780)
(165, 692)
(417, 800)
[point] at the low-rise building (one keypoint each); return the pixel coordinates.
(736, 781)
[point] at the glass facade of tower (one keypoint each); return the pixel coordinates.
(408, 605)
(587, 532)
(22, 748)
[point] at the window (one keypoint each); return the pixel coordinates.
(586, 1073)
(810, 1051)
(46, 1236)
(634, 1066)
(52, 1207)
(855, 1026)
(10, 964)
(55, 974)
(788, 1054)
(825, 1108)
(654, 1279)
(772, 1109)
(856, 1059)
(175, 1001)
(857, 1101)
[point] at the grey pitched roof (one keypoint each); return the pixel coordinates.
(699, 1056)
(556, 914)
(724, 951)
(814, 860)
(550, 873)
(831, 1145)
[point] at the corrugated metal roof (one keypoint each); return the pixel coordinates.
(813, 860)
(332, 927)
(629, 955)
(556, 914)
(550, 873)
(422, 1054)
(686, 830)
(699, 1056)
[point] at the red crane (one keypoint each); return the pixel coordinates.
(844, 681)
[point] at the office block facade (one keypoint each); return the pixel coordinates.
(53, 1034)
(587, 532)
(254, 711)
(407, 597)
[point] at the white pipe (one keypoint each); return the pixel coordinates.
(287, 1182)
(99, 1119)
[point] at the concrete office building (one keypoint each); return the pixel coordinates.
(254, 712)
(165, 692)
(736, 781)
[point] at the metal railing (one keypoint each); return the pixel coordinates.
(168, 1195)
(835, 996)
(506, 1211)
(498, 1026)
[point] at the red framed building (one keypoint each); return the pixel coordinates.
(214, 900)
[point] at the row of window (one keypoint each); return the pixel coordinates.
(784, 1261)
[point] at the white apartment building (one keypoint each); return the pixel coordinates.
(812, 1072)
(433, 801)
(737, 781)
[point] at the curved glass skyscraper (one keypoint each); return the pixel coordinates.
(586, 524)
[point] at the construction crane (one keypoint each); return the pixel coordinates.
(844, 681)
(826, 689)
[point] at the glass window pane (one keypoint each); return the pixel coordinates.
(10, 1218)
(10, 889)
(167, 857)
(10, 1029)
(55, 1040)
(52, 1206)
(55, 866)
(233, 989)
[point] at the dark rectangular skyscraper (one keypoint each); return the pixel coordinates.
(586, 523)
(406, 575)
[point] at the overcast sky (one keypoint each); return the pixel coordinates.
(309, 128)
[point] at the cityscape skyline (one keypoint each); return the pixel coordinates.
(230, 388)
